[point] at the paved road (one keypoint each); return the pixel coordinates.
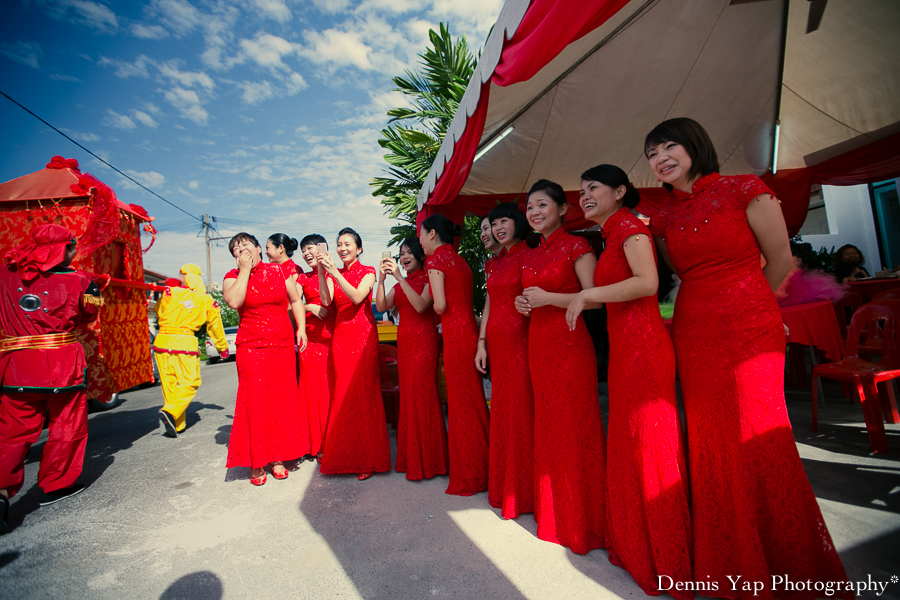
(164, 519)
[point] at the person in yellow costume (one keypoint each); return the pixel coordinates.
(181, 311)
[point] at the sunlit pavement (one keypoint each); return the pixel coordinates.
(163, 518)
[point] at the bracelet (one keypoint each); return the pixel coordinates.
(482, 339)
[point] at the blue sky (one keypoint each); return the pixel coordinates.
(263, 113)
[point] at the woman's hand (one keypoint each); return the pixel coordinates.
(317, 311)
(244, 261)
(536, 297)
(301, 339)
(481, 357)
(574, 310)
(325, 261)
(390, 267)
(523, 306)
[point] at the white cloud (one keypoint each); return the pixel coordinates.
(85, 12)
(149, 32)
(193, 185)
(114, 119)
(256, 91)
(339, 48)
(267, 51)
(83, 137)
(125, 69)
(145, 119)
(295, 83)
(246, 191)
(61, 77)
(151, 179)
(178, 16)
(274, 9)
(186, 78)
(331, 6)
(188, 103)
(27, 53)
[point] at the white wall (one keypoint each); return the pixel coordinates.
(850, 221)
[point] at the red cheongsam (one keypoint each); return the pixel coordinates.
(316, 370)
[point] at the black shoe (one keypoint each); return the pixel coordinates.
(4, 512)
(57, 495)
(169, 423)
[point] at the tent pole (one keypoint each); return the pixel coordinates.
(778, 90)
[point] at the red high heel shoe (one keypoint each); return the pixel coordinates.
(281, 475)
(258, 480)
(364, 476)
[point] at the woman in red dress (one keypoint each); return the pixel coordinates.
(503, 347)
(754, 512)
(450, 280)
(316, 370)
(649, 523)
(280, 249)
(268, 425)
(569, 453)
(490, 244)
(356, 438)
(421, 435)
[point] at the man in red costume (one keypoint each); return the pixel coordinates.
(42, 367)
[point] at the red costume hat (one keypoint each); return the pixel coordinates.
(46, 249)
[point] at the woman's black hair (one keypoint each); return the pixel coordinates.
(289, 243)
(241, 237)
(552, 189)
(511, 210)
(612, 176)
(445, 228)
(414, 246)
(690, 134)
(312, 240)
(356, 238)
(837, 255)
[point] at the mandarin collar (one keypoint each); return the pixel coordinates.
(699, 185)
(353, 267)
(518, 247)
(555, 236)
(444, 249)
(612, 221)
(417, 274)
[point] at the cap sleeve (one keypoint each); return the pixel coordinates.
(750, 188)
(232, 274)
(579, 248)
(435, 262)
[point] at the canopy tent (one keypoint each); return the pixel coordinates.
(563, 85)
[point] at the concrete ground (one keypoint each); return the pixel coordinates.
(164, 519)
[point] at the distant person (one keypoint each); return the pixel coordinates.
(269, 426)
(43, 370)
(316, 370)
(421, 433)
(356, 439)
(450, 284)
(181, 311)
(848, 264)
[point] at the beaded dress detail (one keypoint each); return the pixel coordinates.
(467, 412)
(754, 512)
(421, 434)
(649, 522)
(268, 423)
(569, 447)
(511, 481)
(316, 370)
(356, 438)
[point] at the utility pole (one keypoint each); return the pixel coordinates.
(208, 262)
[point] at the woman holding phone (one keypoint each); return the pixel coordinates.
(316, 372)
(356, 439)
(269, 426)
(421, 434)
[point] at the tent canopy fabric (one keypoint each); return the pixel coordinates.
(54, 184)
(582, 82)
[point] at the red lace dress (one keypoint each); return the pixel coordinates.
(356, 439)
(754, 512)
(511, 480)
(649, 521)
(316, 370)
(569, 454)
(268, 423)
(467, 412)
(421, 435)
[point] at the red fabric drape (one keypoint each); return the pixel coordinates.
(546, 29)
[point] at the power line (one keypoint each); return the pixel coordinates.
(125, 175)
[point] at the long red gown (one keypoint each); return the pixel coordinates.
(467, 412)
(316, 370)
(356, 438)
(268, 424)
(649, 521)
(754, 512)
(511, 479)
(421, 435)
(569, 453)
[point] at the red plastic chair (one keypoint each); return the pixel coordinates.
(851, 300)
(865, 375)
(390, 385)
(887, 295)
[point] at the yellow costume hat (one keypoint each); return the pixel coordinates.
(192, 278)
